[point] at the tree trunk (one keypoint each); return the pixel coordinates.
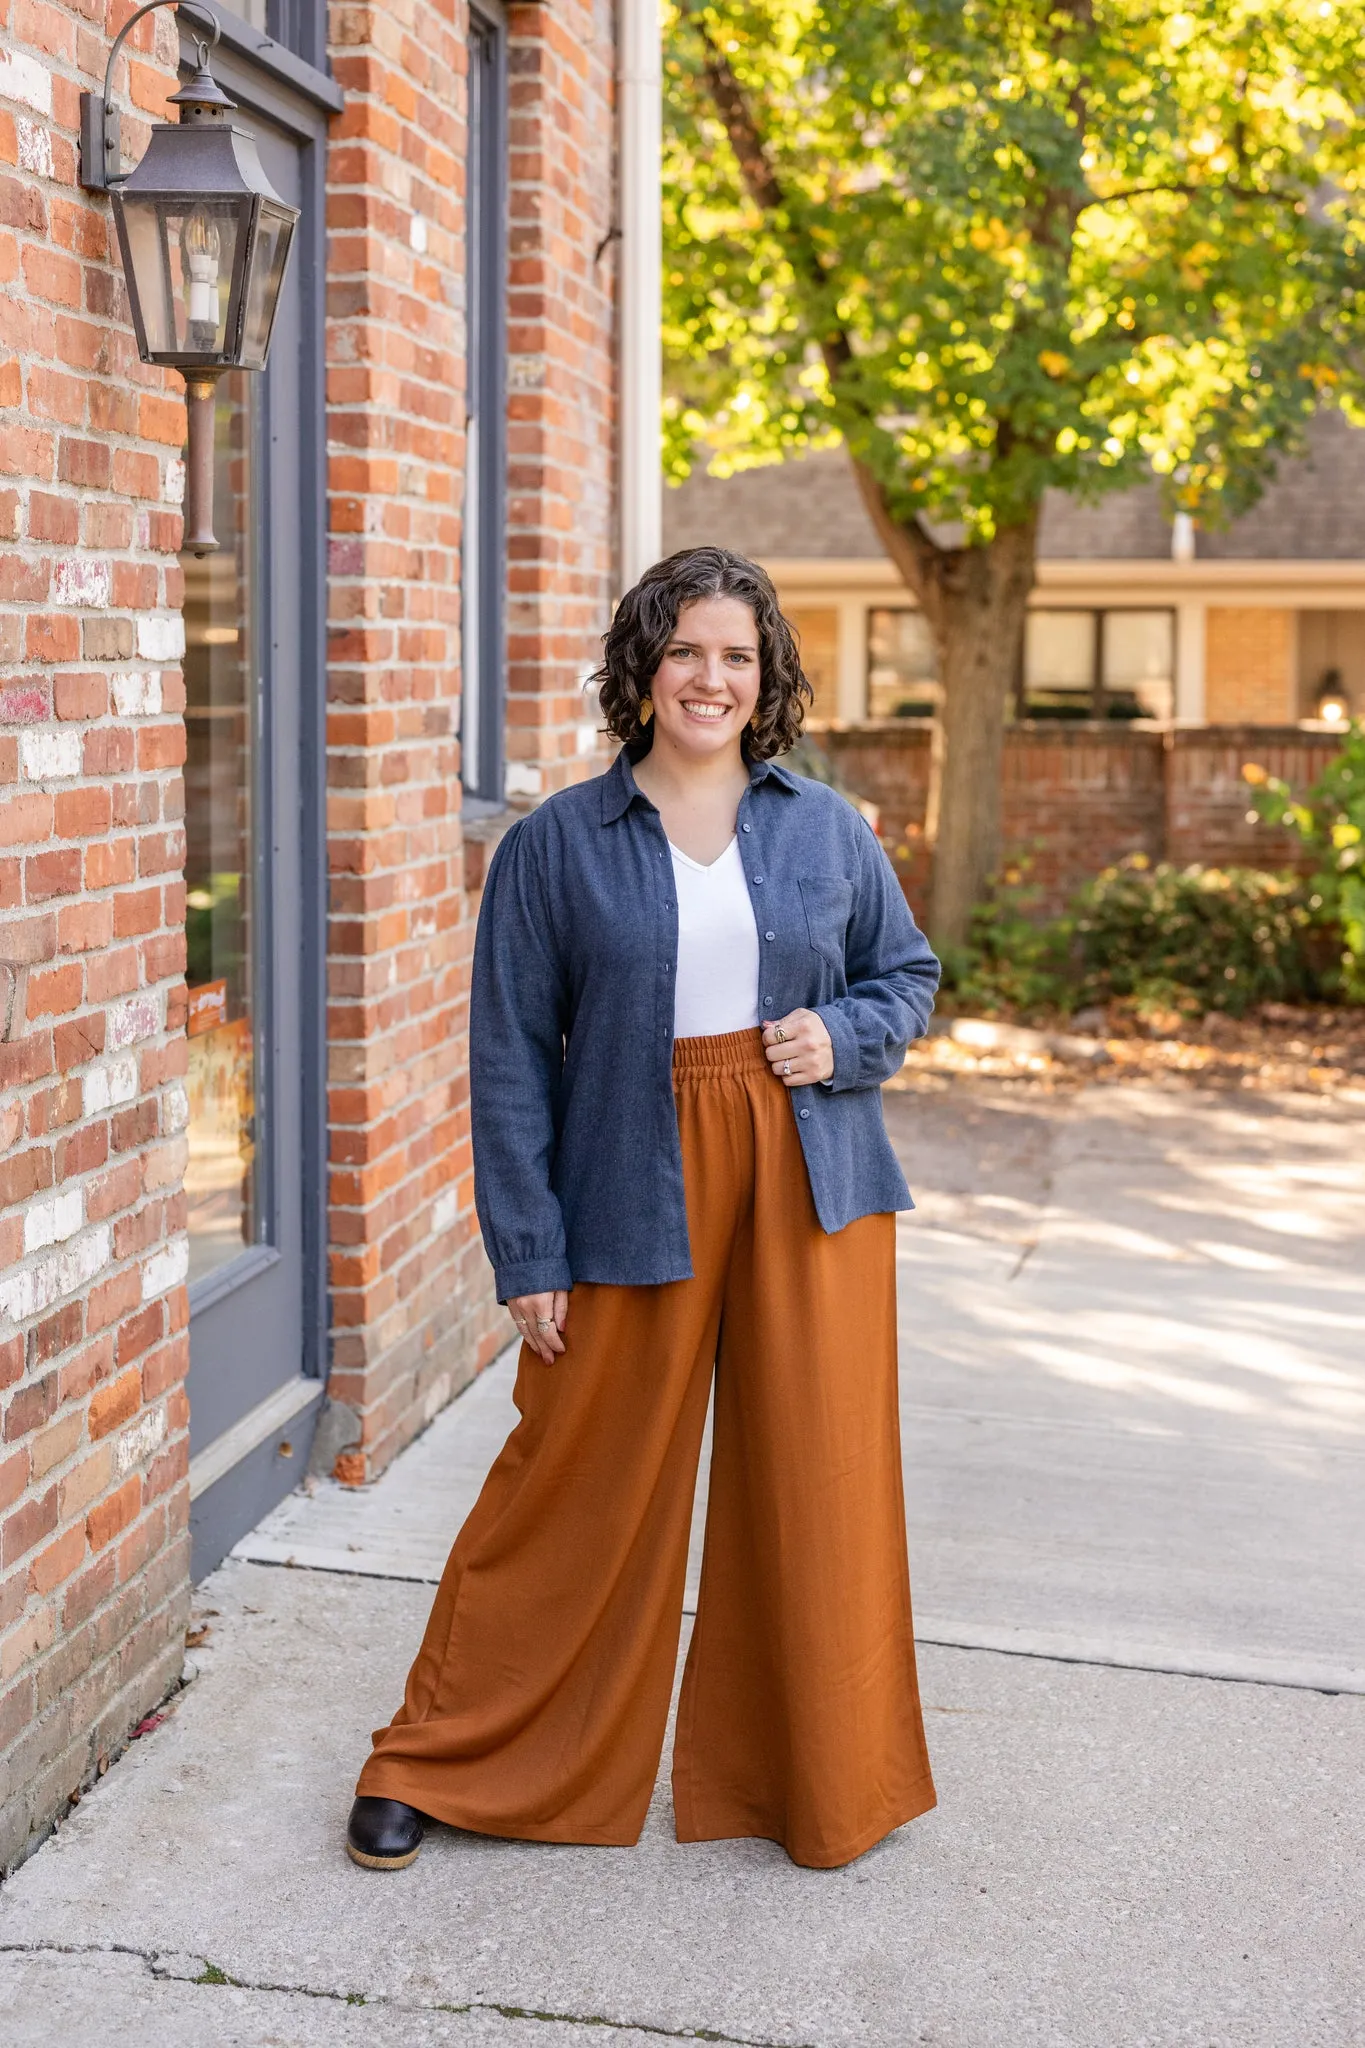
(983, 597)
(974, 600)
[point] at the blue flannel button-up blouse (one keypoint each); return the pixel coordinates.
(577, 1163)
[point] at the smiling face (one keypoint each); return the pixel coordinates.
(706, 687)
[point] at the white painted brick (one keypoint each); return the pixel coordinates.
(443, 1210)
(166, 1268)
(79, 1263)
(23, 78)
(136, 1018)
(417, 234)
(54, 1219)
(35, 148)
(522, 780)
(175, 481)
(136, 693)
(137, 1444)
(32, 1289)
(84, 581)
(50, 756)
(106, 1087)
(176, 1113)
(438, 1393)
(161, 636)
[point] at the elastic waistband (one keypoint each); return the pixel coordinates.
(726, 1052)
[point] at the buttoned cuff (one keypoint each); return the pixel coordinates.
(847, 1053)
(533, 1276)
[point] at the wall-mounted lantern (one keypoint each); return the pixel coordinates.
(205, 243)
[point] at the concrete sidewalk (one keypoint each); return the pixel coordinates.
(1134, 1409)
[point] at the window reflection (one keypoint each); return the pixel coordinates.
(220, 1178)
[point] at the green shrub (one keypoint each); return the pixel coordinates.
(1192, 938)
(1163, 937)
(1013, 960)
(1330, 821)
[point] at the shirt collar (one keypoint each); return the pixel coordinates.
(620, 789)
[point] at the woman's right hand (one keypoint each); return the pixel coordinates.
(540, 1320)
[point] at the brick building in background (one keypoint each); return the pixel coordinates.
(247, 801)
(1154, 665)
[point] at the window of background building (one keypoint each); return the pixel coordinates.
(1331, 656)
(1098, 664)
(902, 666)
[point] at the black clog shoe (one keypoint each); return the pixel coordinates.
(383, 1834)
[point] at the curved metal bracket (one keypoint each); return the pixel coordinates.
(101, 158)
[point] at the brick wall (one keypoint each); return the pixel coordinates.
(1249, 665)
(93, 1447)
(1079, 797)
(413, 1313)
(561, 379)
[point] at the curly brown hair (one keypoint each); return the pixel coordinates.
(647, 618)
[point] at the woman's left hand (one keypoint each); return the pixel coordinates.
(799, 1049)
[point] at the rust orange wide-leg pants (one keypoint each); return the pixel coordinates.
(538, 1702)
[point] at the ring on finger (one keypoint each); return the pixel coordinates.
(545, 1322)
(786, 1066)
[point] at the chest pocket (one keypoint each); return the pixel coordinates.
(828, 901)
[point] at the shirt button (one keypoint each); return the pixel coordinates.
(767, 1002)
(803, 1112)
(668, 906)
(770, 935)
(758, 881)
(744, 828)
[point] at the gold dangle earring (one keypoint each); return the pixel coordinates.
(646, 711)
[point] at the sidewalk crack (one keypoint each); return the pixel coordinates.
(156, 1962)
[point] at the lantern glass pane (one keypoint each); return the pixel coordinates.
(183, 252)
(269, 259)
(150, 279)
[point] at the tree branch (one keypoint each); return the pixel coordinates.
(1188, 191)
(916, 554)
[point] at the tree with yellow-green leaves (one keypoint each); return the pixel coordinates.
(999, 247)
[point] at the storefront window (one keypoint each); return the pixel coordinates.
(220, 919)
(902, 667)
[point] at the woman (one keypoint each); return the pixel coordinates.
(691, 974)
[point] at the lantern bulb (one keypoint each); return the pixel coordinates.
(202, 250)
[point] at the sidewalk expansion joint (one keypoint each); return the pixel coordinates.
(155, 1961)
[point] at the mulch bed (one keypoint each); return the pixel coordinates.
(1275, 1049)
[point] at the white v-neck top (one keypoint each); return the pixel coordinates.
(716, 985)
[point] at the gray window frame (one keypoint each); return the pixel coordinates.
(484, 552)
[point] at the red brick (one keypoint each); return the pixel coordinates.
(53, 519)
(30, 1408)
(77, 1041)
(57, 1562)
(28, 1524)
(56, 992)
(109, 1299)
(51, 637)
(80, 696)
(115, 1404)
(111, 1516)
